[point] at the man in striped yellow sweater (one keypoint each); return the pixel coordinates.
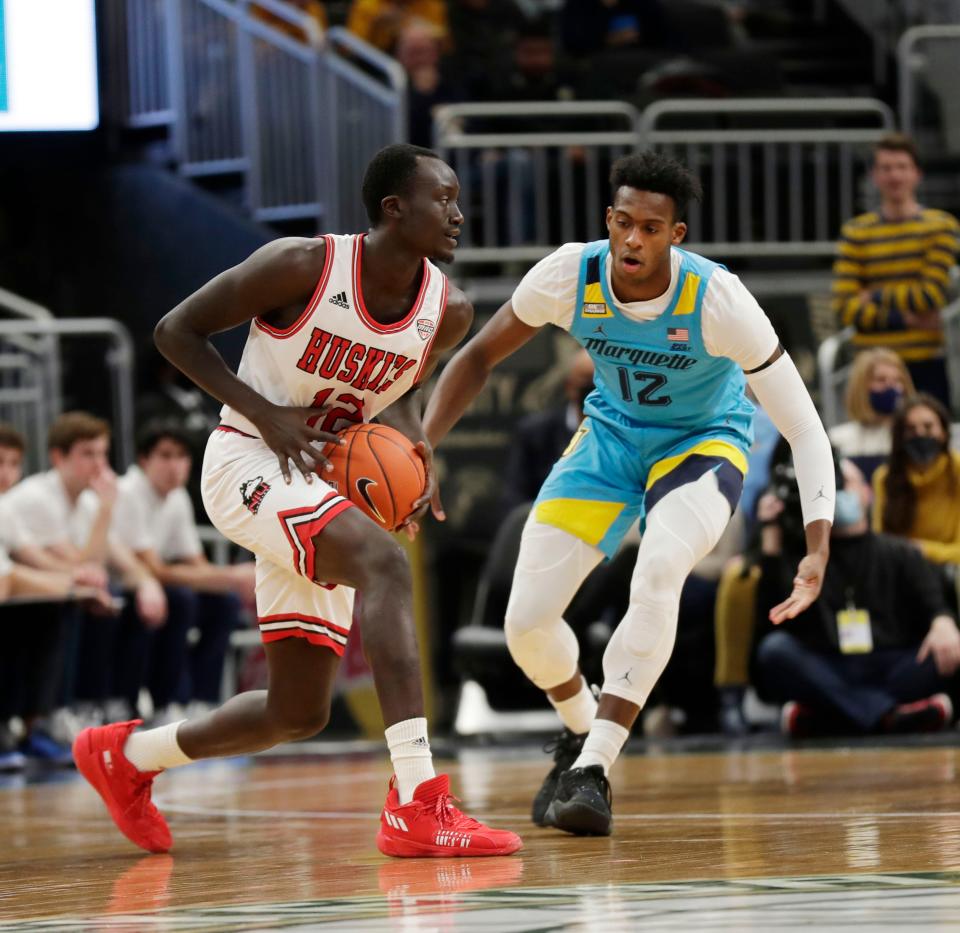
(893, 267)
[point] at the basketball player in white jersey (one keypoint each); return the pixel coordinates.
(341, 327)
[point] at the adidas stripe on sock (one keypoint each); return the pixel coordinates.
(410, 754)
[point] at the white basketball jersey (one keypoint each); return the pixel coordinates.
(335, 354)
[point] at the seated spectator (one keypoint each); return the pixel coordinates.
(165, 393)
(312, 30)
(35, 632)
(154, 518)
(917, 494)
(878, 383)
(877, 651)
(62, 523)
(537, 72)
(418, 50)
(380, 22)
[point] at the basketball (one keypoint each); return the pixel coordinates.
(378, 470)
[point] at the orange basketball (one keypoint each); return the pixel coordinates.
(378, 470)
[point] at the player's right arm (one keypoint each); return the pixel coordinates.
(545, 295)
(466, 374)
(280, 275)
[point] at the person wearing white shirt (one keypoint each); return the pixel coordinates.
(62, 521)
(31, 663)
(154, 517)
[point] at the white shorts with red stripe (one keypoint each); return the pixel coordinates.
(248, 500)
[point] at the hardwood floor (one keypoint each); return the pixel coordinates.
(265, 843)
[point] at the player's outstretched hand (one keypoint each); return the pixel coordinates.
(290, 433)
(431, 493)
(806, 588)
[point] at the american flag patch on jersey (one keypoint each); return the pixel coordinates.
(678, 334)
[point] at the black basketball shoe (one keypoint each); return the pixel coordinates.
(565, 748)
(582, 803)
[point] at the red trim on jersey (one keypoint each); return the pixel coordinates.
(436, 330)
(227, 429)
(313, 519)
(358, 294)
(297, 325)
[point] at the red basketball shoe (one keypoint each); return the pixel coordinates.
(430, 826)
(98, 753)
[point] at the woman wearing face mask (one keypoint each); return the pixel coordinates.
(879, 381)
(918, 491)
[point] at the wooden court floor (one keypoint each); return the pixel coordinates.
(734, 840)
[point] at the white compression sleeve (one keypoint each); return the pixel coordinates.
(781, 391)
(550, 568)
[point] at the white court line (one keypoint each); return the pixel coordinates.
(642, 817)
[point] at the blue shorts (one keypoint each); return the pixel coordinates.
(608, 478)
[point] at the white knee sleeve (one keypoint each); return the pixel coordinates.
(551, 566)
(681, 530)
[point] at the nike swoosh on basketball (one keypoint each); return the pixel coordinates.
(362, 485)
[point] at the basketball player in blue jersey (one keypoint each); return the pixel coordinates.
(674, 338)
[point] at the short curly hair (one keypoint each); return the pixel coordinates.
(390, 171)
(654, 171)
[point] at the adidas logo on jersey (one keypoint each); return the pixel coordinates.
(340, 300)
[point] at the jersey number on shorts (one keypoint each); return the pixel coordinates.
(650, 383)
(352, 415)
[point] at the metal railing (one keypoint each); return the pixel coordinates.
(522, 190)
(35, 403)
(927, 73)
(295, 121)
(780, 175)
(29, 376)
(834, 365)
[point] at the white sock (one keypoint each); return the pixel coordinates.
(410, 754)
(155, 749)
(602, 745)
(577, 712)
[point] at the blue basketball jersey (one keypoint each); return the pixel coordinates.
(657, 374)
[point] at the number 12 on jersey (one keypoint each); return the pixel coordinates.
(648, 384)
(352, 415)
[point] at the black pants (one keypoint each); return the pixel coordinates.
(32, 658)
(859, 688)
(180, 672)
(113, 656)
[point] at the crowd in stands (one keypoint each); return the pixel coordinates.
(111, 608)
(491, 50)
